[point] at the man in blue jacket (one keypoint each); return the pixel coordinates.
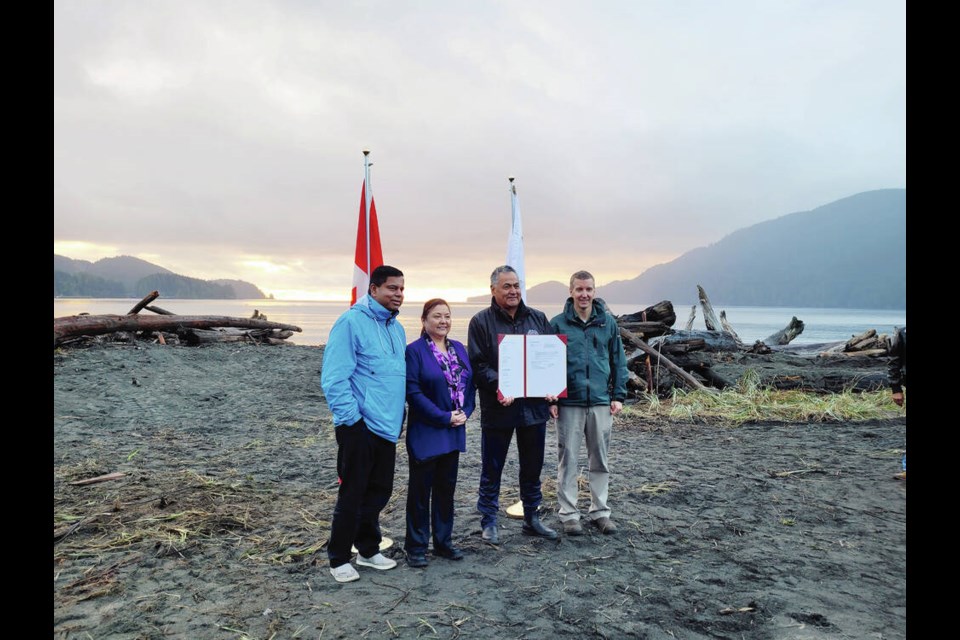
(596, 389)
(364, 380)
(501, 416)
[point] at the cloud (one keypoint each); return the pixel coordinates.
(208, 132)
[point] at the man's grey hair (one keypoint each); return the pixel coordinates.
(504, 268)
(582, 275)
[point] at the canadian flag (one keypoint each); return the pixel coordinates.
(365, 261)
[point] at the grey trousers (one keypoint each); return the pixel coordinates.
(592, 425)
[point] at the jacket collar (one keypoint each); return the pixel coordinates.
(374, 309)
(598, 311)
(521, 313)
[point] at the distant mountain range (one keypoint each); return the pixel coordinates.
(129, 277)
(851, 253)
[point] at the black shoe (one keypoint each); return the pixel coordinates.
(416, 560)
(450, 553)
(490, 534)
(533, 527)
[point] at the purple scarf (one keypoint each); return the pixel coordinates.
(452, 371)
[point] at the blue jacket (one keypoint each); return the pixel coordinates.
(428, 423)
(596, 364)
(364, 371)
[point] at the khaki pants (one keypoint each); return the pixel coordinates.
(592, 425)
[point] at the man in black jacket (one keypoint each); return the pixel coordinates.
(897, 377)
(500, 416)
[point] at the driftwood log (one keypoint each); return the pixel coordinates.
(655, 320)
(660, 312)
(869, 340)
(709, 317)
(156, 309)
(88, 325)
(696, 340)
(788, 333)
(701, 364)
(645, 329)
(717, 358)
(194, 336)
(726, 326)
(637, 342)
(150, 297)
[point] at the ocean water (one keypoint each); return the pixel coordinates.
(316, 318)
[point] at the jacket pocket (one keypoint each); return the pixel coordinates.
(385, 389)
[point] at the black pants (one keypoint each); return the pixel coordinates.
(365, 463)
(430, 502)
(494, 444)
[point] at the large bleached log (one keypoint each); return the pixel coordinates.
(709, 317)
(788, 333)
(87, 325)
(726, 326)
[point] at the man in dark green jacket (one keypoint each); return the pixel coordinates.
(596, 389)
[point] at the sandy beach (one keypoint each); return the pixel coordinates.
(217, 527)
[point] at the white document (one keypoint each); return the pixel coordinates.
(532, 366)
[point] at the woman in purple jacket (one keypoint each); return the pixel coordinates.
(441, 395)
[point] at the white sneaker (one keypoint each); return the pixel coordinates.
(376, 562)
(344, 573)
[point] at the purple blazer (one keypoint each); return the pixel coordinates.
(429, 432)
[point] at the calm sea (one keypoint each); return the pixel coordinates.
(316, 318)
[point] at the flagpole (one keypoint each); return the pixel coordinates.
(368, 196)
(515, 259)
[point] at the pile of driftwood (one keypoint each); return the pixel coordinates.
(169, 328)
(661, 358)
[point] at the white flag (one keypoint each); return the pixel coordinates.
(515, 243)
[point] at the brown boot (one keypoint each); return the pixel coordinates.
(605, 525)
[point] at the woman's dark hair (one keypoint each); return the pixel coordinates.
(428, 307)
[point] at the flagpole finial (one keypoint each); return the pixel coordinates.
(366, 152)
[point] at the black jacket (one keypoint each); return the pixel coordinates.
(483, 350)
(897, 367)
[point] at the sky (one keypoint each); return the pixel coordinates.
(225, 138)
